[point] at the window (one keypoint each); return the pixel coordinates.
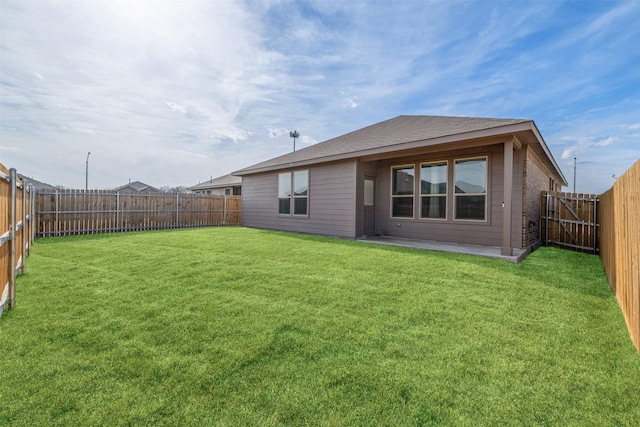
(433, 190)
(369, 192)
(471, 189)
(402, 185)
(300, 192)
(227, 191)
(298, 198)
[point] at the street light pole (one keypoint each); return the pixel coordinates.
(86, 174)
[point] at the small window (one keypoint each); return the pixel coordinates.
(227, 191)
(300, 192)
(433, 190)
(471, 189)
(402, 190)
(298, 198)
(369, 192)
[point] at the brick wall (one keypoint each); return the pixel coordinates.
(535, 181)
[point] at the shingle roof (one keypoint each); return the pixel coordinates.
(38, 185)
(389, 134)
(222, 181)
(138, 186)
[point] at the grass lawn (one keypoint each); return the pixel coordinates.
(235, 326)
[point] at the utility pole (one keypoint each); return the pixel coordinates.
(86, 174)
(295, 134)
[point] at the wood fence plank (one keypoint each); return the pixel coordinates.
(97, 211)
(620, 245)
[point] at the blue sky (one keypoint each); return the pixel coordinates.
(175, 92)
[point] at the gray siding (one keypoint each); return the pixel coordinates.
(336, 200)
(332, 196)
(470, 232)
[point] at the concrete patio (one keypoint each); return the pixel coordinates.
(459, 248)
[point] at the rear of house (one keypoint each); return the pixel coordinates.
(448, 179)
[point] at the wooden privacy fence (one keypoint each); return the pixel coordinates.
(17, 205)
(570, 220)
(620, 245)
(68, 212)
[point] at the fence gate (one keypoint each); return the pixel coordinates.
(570, 220)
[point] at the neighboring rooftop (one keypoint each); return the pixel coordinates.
(38, 185)
(220, 182)
(139, 187)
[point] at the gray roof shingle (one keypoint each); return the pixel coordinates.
(222, 181)
(387, 134)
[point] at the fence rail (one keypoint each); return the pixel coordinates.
(68, 212)
(620, 245)
(17, 204)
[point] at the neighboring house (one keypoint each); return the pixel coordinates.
(137, 187)
(449, 179)
(228, 184)
(38, 185)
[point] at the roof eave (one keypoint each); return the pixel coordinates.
(546, 150)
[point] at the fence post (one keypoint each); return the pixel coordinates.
(595, 225)
(117, 224)
(224, 211)
(177, 209)
(546, 224)
(25, 217)
(12, 239)
(56, 225)
(34, 220)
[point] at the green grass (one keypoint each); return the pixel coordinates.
(234, 326)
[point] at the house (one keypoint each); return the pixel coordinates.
(228, 185)
(464, 180)
(37, 185)
(137, 187)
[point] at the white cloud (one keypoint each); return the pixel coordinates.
(189, 153)
(604, 142)
(176, 107)
(569, 153)
(276, 133)
(236, 135)
(307, 140)
(9, 148)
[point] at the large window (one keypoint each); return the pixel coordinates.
(402, 188)
(433, 190)
(298, 198)
(471, 189)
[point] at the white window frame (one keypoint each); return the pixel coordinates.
(445, 194)
(485, 194)
(292, 195)
(412, 195)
